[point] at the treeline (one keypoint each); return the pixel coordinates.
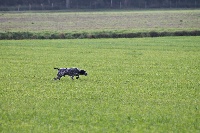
(94, 4)
(93, 35)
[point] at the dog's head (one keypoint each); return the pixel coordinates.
(83, 72)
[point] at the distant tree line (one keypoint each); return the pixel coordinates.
(95, 4)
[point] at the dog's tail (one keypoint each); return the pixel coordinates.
(57, 68)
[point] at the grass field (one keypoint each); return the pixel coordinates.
(133, 85)
(130, 20)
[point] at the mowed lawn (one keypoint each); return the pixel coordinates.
(133, 85)
(119, 20)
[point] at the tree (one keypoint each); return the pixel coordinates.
(67, 3)
(105, 3)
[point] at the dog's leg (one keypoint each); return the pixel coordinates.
(58, 77)
(77, 77)
(72, 77)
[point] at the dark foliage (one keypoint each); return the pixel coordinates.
(29, 35)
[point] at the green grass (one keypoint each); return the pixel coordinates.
(133, 85)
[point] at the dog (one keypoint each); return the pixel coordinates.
(70, 72)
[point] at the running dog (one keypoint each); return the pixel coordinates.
(70, 72)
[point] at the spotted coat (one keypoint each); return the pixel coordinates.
(72, 72)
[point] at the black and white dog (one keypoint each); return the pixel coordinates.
(70, 72)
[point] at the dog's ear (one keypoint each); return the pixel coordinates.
(82, 72)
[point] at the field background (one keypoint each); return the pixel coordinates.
(133, 85)
(118, 21)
